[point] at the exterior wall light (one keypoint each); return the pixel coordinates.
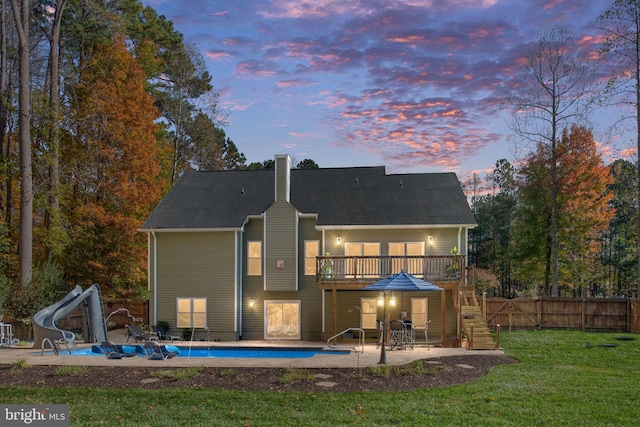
(430, 240)
(339, 240)
(252, 303)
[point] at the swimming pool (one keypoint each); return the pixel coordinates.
(218, 352)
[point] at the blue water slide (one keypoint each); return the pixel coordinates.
(90, 301)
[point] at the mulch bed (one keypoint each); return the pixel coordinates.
(442, 372)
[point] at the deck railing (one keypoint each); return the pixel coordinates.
(370, 268)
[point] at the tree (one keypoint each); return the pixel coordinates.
(494, 212)
(584, 201)
(583, 211)
(267, 164)
(55, 240)
(204, 144)
(621, 26)
(619, 257)
(186, 78)
(546, 99)
(21, 18)
(233, 159)
(113, 170)
(307, 164)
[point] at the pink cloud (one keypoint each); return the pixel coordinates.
(257, 68)
(217, 54)
(293, 83)
(301, 135)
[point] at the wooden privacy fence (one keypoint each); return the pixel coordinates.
(124, 312)
(119, 312)
(586, 314)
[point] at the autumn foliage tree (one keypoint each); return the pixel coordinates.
(584, 211)
(113, 170)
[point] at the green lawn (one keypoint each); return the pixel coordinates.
(564, 378)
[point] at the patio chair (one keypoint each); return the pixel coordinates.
(112, 351)
(156, 351)
(162, 336)
(424, 327)
(398, 335)
(6, 335)
(135, 332)
(410, 334)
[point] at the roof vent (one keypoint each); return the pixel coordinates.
(242, 191)
(401, 185)
(356, 179)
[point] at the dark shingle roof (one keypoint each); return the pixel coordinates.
(362, 196)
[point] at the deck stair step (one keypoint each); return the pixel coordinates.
(473, 318)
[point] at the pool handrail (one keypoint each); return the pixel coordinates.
(347, 347)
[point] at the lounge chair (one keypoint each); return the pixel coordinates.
(112, 351)
(163, 336)
(156, 351)
(140, 334)
(135, 332)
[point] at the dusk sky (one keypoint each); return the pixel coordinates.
(414, 85)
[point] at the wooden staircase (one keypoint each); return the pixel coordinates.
(471, 315)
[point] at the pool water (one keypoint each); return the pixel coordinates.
(220, 352)
(253, 352)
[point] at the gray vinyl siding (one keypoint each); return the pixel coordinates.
(444, 239)
(283, 179)
(198, 265)
(346, 300)
(252, 286)
(308, 294)
(151, 262)
(281, 245)
(238, 271)
(309, 291)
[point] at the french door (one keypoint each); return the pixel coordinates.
(282, 320)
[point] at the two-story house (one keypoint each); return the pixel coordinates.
(285, 253)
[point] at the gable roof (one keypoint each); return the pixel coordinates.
(340, 197)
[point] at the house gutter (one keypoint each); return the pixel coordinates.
(394, 227)
(155, 277)
(239, 294)
(188, 230)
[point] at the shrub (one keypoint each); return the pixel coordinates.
(20, 364)
(62, 371)
(177, 374)
(295, 374)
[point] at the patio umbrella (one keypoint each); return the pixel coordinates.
(402, 282)
(397, 282)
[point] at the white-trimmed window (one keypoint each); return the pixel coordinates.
(369, 313)
(192, 312)
(254, 258)
(408, 257)
(362, 266)
(311, 251)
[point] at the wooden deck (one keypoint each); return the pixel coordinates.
(357, 272)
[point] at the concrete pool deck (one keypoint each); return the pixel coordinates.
(370, 356)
